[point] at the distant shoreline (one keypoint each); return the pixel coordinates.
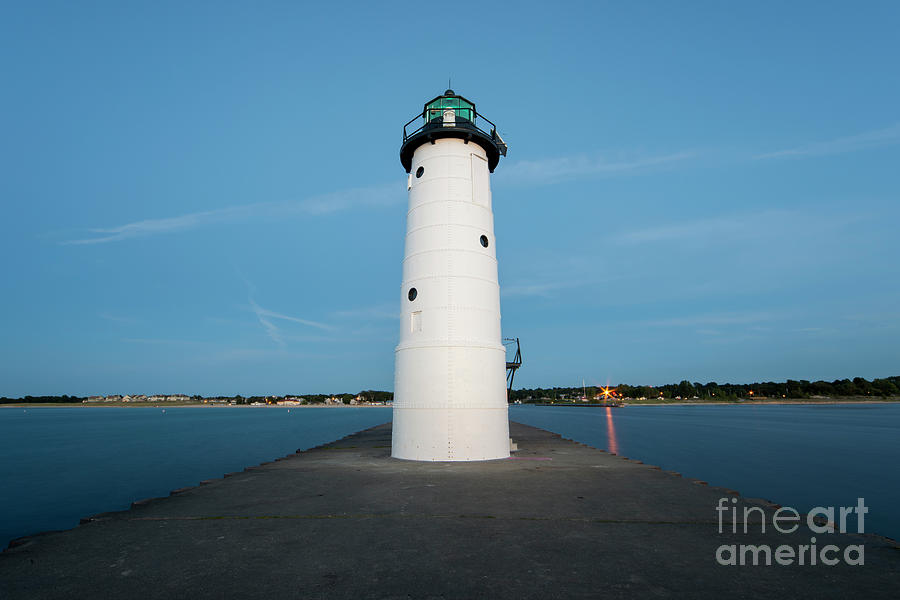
(755, 403)
(849, 400)
(177, 405)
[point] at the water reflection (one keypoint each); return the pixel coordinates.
(611, 442)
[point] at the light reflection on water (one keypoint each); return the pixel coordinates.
(611, 432)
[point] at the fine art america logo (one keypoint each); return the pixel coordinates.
(821, 521)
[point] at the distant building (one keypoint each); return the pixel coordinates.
(288, 403)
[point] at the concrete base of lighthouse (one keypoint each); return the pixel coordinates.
(450, 404)
(447, 434)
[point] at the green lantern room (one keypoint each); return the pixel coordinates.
(449, 107)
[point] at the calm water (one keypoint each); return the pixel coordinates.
(61, 464)
(796, 455)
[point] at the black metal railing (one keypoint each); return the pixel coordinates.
(513, 365)
(460, 122)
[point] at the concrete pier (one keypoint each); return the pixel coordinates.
(558, 520)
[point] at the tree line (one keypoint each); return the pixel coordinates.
(365, 395)
(40, 399)
(794, 389)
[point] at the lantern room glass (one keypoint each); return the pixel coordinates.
(462, 108)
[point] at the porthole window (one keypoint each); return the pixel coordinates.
(412, 294)
(419, 172)
(484, 241)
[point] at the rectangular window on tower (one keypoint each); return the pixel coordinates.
(481, 187)
(415, 321)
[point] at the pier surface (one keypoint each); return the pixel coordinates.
(558, 520)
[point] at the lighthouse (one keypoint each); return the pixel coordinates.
(450, 399)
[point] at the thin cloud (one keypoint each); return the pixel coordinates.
(552, 170)
(150, 227)
(268, 313)
(379, 196)
(265, 316)
(729, 226)
(862, 141)
(373, 196)
(271, 329)
(770, 223)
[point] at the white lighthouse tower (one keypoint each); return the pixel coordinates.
(450, 376)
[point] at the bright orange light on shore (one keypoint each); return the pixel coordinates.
(608, 392)
(751, 392)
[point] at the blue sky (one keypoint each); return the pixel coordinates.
(206, 197)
